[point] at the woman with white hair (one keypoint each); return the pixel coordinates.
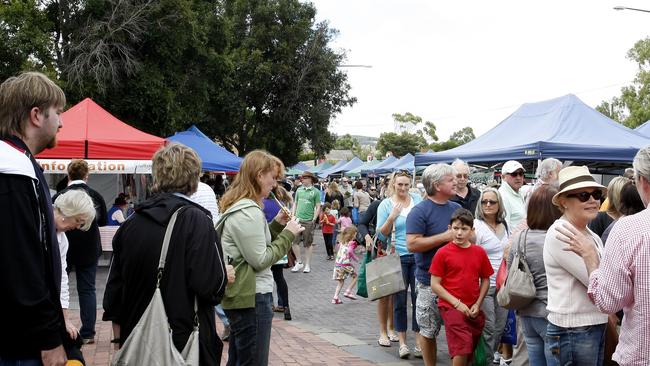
(73, 209)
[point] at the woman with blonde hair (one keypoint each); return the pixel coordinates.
(253, 246)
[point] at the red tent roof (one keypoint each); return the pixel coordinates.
(90, 132)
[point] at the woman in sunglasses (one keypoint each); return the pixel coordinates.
(576, 328)
(492, 234)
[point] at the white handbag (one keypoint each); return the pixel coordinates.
(150, 342)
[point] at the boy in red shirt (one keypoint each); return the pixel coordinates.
(455, 273)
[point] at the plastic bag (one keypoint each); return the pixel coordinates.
(362, 288)
(480, 355)
(510, 331)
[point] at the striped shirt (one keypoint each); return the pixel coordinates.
(623, 282)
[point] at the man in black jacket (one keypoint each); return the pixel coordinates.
(85, 249)
(31, 318)
(466, 196)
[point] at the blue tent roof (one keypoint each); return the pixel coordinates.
(333, 169)
(644, 129)
(564, 128)
(213, 156)
(372, 170)
(352, 164)
(318, 168)
(405, 162)
(300, 166)
(357, 171)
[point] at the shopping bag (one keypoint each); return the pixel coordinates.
(480, 355)
(355, 215)
(362, 289)
(502, 274)
(384, 276)
(510, 330)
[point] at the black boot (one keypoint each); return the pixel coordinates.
(287, 313)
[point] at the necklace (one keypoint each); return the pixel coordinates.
(492, 227)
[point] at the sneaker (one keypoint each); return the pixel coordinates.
(297, 267)
(417, 352)
(307, 269)
(504, 362)
(404, 351)
(496, 358)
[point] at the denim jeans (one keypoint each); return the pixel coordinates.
(222, 315)
(400, 311)
(577, 346)
(242, 348)
(264, 314)
(495, 321)
(534, 330)
(33, 362)
(87, 299)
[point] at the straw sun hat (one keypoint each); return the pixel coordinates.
(576, 177)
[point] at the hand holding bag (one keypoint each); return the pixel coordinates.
(519, 289)
(384, 274)
(150, 342)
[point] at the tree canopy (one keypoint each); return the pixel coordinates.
(632, 107)
(252, 74)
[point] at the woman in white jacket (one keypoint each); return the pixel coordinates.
(576, 328)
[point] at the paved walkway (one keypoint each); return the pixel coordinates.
(319, 334)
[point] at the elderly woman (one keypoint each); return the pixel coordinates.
(253, 246)
(492, 234)
(612, 212)
(541, 214)
(576, 327)
(391, 224)
(194, 268)
(73, 209)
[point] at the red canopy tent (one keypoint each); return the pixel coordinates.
(90, 132)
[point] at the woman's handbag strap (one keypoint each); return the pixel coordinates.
(165, 246)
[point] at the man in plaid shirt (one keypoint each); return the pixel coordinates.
(621, 279)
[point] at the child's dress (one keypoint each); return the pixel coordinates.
(344, 257)
(344, 222)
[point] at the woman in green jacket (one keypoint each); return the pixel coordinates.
(252, 246)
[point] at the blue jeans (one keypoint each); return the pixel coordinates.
(534, 330)
(577, 346)
(34, 362)
(264, 314)
(400, 311)
(242, 347)
(87, 299)
(220, 313)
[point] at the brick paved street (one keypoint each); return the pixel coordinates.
(319, 334)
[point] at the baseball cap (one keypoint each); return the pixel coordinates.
(511, 166)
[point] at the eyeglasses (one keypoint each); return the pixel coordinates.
(489, 202)
(517, 174)
(584, 196)
(459, 176)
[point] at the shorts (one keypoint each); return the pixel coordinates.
(463, 333)
(426, 311)
(343, 272)
(307, 235)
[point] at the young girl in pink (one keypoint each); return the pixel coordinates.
(345, 220)
(343, 264)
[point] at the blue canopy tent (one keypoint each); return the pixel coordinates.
(325, 172)
(319, 167)
(213, 156)
(564, 128)
(300, 166)
(352, 164)
(405, 162)
(372, 170)
(356, 172)
(644, 129)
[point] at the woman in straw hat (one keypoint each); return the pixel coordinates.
(576, 328)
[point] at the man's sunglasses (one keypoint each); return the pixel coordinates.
(489, 202)
(517, 174)
(584, 196)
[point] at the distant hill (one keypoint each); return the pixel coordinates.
(366, 140)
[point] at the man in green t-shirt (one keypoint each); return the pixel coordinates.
(306, 209)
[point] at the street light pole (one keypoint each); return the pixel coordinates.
(634, 9)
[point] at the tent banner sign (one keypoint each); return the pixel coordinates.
(60, 166)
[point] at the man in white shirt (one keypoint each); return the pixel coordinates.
(512, 175)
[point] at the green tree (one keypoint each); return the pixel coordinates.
(250, 73)
(346, 142)
(632, 107)
(408, 118)
(400, 144)
(456, 139)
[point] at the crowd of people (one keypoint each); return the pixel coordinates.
(586, 248)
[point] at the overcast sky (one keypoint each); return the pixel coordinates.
(472, 63)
